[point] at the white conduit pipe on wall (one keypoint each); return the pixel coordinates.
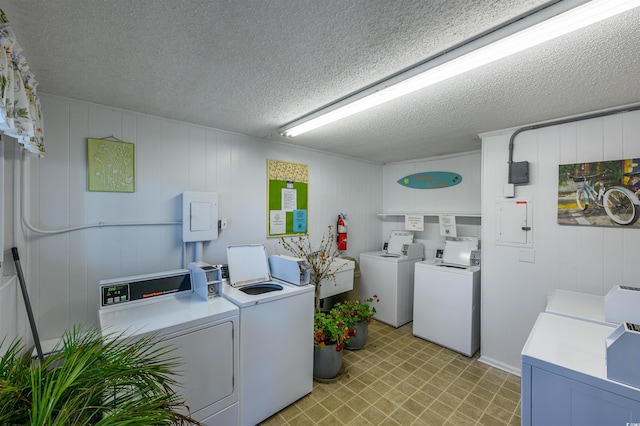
(21, 212)
(16, 200)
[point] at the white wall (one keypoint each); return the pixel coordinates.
(461, 199)
(584, 259)
(171, 157)
(10, 312)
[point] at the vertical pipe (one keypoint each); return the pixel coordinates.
(199, 249)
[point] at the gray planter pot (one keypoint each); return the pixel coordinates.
(327, 362)
(360, 338)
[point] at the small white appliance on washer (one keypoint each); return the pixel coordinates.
(276, 329)
(202, 333)
(290, 269)
(446, 302)
(389, 275)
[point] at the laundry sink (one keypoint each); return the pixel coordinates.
(261, 288)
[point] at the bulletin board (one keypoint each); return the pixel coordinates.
(287, 198)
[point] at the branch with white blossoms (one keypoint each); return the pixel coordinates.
(320, 260)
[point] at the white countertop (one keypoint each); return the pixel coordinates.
(569, 343)
(573, 348)
(166, 315)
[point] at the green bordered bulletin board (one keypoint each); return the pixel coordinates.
(287, 198)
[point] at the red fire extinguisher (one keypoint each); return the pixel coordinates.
(342, 232)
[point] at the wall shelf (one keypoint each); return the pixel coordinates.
(457, 214)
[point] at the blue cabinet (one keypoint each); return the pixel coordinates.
(564, 376)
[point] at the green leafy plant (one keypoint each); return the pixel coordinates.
(320, 260)
(329, 328)
(355, 311)
(91, 380)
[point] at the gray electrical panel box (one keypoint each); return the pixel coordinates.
(519, 172)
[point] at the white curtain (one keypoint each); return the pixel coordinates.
(20, 110)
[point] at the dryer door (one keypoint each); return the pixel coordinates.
(207, 367)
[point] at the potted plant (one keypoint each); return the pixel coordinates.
(330, 333)
(357, 315)
(320, 260)
(90, 379)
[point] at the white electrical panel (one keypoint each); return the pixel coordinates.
(514, 224)
(199, 216)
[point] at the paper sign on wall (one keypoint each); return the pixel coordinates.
(447, 225)
(414, 222)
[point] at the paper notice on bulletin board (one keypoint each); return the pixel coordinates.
(289, 200)
(277, 222)
(299, 221)
(414, 222)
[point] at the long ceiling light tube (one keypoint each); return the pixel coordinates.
(554, 27)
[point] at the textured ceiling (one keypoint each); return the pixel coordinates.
(252, 66)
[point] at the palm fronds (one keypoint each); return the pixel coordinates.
(91, 380)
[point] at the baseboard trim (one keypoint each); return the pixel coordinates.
(500, 365)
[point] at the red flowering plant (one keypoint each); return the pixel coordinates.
(355, 311)
(329, 328)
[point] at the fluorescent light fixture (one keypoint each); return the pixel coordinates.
(556, 26)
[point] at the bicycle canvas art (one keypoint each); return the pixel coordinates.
(603, 193)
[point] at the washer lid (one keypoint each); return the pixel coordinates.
(248, 264)
(458, 252)
(397, 239)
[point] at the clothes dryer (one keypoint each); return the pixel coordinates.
(202, 333)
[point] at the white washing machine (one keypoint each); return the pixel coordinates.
(446, 303)
(389, 275)
(201, 331)
(276, 335)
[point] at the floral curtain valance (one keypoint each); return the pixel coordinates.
(20, 110)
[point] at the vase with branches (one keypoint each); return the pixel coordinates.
(320, 259)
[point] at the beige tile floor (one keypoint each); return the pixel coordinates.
(399, 379)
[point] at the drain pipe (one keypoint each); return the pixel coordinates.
(519, 172)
